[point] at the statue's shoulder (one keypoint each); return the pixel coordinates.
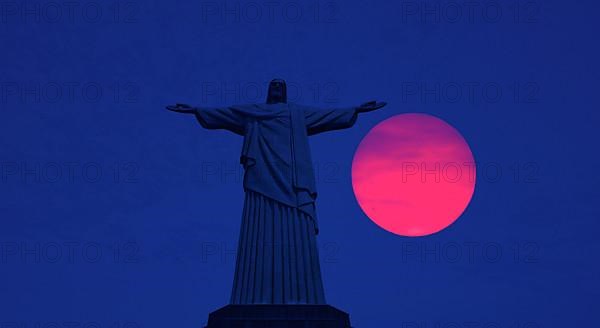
(247, 108)
(262, 111)
(261, 106)
(243, 106)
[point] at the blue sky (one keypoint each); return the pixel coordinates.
(116, 211)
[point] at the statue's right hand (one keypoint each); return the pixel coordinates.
(371, 106)
(181, 108)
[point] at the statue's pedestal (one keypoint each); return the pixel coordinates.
(278, 316)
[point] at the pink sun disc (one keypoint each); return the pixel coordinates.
(413, 174)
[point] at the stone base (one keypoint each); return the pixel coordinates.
(278, 316)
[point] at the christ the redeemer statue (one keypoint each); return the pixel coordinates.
(277, 260)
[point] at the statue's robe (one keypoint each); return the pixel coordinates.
(277, 260)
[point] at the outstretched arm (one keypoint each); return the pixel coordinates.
(227, 118)
(370, 106)
(321, 120)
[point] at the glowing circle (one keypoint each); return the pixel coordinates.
(413, 174)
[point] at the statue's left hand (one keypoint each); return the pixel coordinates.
(181, 108)
(370, 106)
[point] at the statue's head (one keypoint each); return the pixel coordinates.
(277, 92)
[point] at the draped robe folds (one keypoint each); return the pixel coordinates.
(277, 260)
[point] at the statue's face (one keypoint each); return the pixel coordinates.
(277, 92)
